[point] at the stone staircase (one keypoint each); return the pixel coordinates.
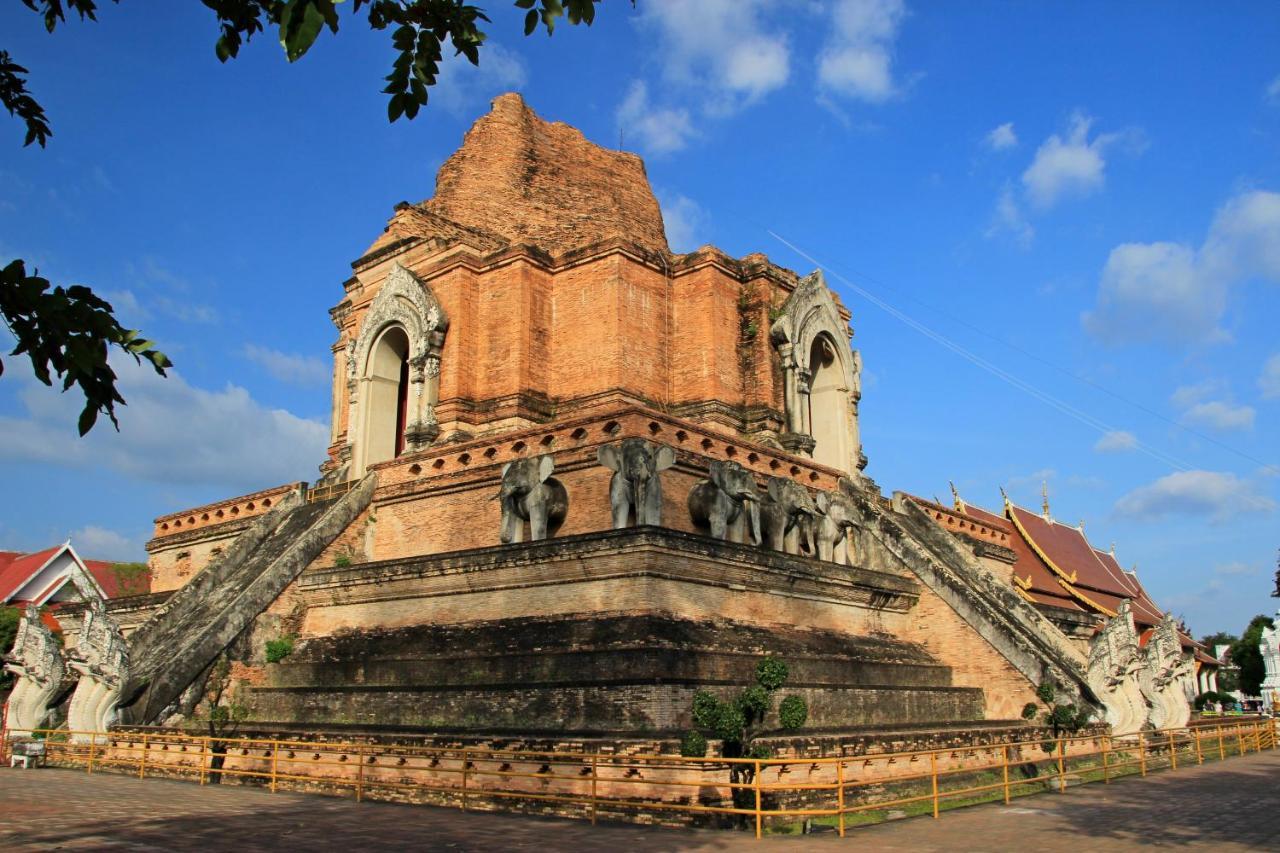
(169, 651)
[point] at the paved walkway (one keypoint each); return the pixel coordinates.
(1227, 806)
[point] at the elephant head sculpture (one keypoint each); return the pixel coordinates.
(636, 487)
(788, 513)
(838, 519)
(727, 502)
(529, 493)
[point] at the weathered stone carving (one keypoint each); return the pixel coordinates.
(636, 488)
(529, 493)
(1115, 668)
(788, 514)
(809, 333)
(406, 301)
(838, 520)
(36, 662)
(101, 657)
(1164, 673)
(1269, 647)
(728, 503)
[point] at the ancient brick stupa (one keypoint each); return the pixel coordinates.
(573, 478)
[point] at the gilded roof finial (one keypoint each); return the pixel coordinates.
(1113, 548)
(1044, 494)
(955, 497)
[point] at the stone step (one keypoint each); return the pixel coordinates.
(182, 641)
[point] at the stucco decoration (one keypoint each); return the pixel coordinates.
(1269, 646)
(101, 657)
(635, 490)
(1115, 667)
(1164, 675)
(811, 338)
(404, 300)
(727, 503)
(36, 662)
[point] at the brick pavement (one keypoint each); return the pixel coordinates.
(1228, 806)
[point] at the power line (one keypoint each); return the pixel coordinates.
(1026, 387)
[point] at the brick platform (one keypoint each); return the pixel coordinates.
(1234, 805)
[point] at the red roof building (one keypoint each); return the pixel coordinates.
(59, 574)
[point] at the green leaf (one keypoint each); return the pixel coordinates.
(530, 22)
(300, 24)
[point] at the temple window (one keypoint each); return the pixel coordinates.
(386, 397)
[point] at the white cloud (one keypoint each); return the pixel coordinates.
(1001, 137)
(1185, 396)
(1116, 441)
(1172, 292)
(461, 87)
(294, 369)
(1009, 219)
(857, 60)
(1220, 415)
(1235, 568)
(170, 432)
(723, 49)
(1068, 166)
(99, 543)
(658, 130)
(1269, 379)
(1026, 481)
(685, 222)
(1217, 495)
(1273, 91)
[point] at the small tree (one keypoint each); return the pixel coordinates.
(1062, 718)
(737, 722)
(221, 715)
(1246, 655)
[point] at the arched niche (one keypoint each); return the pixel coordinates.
(821, 377)
(393, 372)
(386, 396)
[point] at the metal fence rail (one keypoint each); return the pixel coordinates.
(776, 794)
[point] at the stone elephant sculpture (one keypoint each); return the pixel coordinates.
(788, 513)
(838, 519)
(727, 502)
(636, 488)
(529, 493)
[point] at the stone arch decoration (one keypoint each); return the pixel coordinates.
(810, 322)
(405, 301)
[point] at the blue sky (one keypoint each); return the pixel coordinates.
(1085, 197)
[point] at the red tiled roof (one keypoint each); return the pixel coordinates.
(1093, 575)
(21, 568)
(104, 572)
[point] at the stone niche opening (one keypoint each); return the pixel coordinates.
(386, 396)
(828, 405)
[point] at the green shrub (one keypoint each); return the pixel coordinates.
(279, 649)
(694, 745)
(793, 712)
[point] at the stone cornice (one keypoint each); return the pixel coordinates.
(652, 552)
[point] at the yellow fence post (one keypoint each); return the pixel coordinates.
(1106, 752)
(840, 792)
(275, 754)
(142, 765)
(1005, 750)
(1199, 751)
(1173, 752)
(466, 766)
(595, 777)
(359, 773)
(1222, 750)
(204, 759)
(759, 815)
(93, 739)
(933, 774)
(1240, 739)
(1062, 768)
(1142, 752)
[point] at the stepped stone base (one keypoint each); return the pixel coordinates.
(602, 634)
